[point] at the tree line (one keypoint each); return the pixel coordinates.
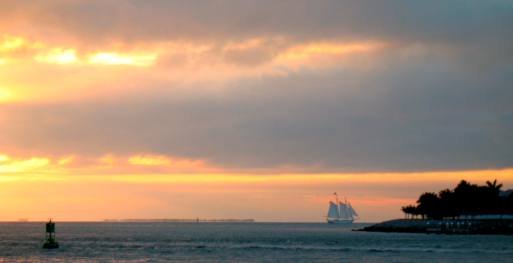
(465, 200)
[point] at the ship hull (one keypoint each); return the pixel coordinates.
(340, 221)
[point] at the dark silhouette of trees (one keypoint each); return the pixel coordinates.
(447, 206)
(428, 204)
(410, 210)
(465, 199)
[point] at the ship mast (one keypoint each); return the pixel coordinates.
(338, 207)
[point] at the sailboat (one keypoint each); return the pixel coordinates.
(341, 212)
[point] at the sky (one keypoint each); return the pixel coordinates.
(249, 109)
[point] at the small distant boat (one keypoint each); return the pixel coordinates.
(341, 212)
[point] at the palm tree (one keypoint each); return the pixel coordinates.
(493, 185)
(410, 210)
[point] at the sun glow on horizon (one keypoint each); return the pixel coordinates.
(26, 176)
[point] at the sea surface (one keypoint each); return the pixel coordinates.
(242, 242)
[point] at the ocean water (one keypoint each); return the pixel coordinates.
(242, 242)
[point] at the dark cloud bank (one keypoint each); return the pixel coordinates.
(457, 21)
(415, 115)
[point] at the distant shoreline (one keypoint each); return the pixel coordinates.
(448, 226)
(186, 220)
(171, 220)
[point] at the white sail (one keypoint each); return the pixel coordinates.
(352, 211)
(333, 211)
(343, 211)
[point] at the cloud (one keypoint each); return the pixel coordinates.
(60, 73)
(251, 85)
(419, 112)
(31, 167)
(8, 166)
(452, 24)
(221, 40)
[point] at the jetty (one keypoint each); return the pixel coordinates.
(457, 226)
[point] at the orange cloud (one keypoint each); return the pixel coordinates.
(115, 179)
(66, 160)
(149, 160)
(4, 158)
(173, 164)
(58, 56)
(107, 58)
(139, 166)
(8, 165)
(9, 43)
(107, 159)
(84, 70)
(323, 54)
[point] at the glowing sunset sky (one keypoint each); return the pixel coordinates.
(249, 109)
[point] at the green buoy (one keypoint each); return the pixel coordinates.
(50, 236)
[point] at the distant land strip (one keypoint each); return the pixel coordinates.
(196, 220)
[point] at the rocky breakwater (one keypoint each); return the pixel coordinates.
(456, 226)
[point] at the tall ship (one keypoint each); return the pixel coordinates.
(341, 212)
